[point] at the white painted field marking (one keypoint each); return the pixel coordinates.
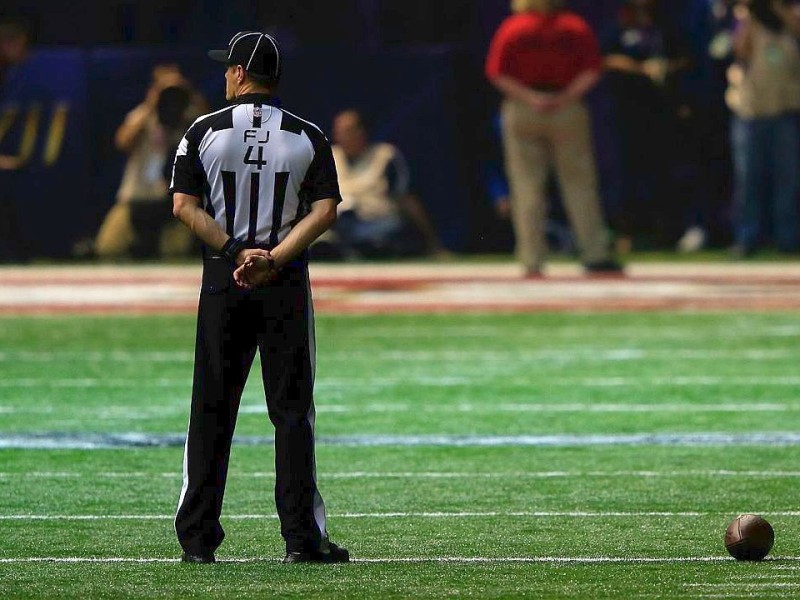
(167, 407)
(700, 333)
(682, 381)
(635, 408)
(92, 382)
(728, 407)
(589, 560)
(505, 475)
(423, 380)
(124, 356)
(405, 515)
(583, 353)
(744, 585)
(675, 381)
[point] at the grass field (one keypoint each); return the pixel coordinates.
(485, 456)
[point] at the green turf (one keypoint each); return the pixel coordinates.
(414, 375)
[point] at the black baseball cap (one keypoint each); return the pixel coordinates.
(257, 52)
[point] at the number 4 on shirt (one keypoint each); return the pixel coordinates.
(259, 160)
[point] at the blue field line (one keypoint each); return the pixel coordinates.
(98, 441)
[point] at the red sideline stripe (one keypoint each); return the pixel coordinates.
(394, 283)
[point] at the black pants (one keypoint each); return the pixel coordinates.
(278, 321)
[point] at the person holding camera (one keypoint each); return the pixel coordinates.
(140, 224)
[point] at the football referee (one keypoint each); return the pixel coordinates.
(253, 180)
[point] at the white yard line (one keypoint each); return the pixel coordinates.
(578, 560)
(743, 586)
(424, 474)
(561, 355)
(408, 515)
(122, 411)
(425, 380)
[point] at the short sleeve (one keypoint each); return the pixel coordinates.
(588, 48)
(398, 175)
(321, 181)
(188, 175)
(498, 56)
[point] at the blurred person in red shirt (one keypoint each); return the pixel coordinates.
(544, 60)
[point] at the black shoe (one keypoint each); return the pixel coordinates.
(604, 267)
(200, 559)
(335, 554)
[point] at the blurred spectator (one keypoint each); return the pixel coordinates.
(544, 59)
(14, 42)
(140, 223)
(642, 56)
(723, 25)
(706, 131)
(557, 232)
(764, 95)
(378, 215)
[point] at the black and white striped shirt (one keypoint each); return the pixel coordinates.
(258, 167)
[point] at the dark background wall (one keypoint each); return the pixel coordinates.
(414, 66)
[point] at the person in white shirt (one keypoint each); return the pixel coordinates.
(378, 216)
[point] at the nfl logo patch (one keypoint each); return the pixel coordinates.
(257, 112)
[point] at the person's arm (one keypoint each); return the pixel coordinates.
(132, 127)
(743, 38)
(187, 210)
(9, 163)
(321, 218)
(623, 63)
(320, 189)
(399, 177)
(257, 270)
(583, 83)
(412, 207)
(586, 49)
(497, 70)
(512, 88)
(186, 187)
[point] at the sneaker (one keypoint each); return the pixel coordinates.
(334, 554)
(604, 267)
(200, 559)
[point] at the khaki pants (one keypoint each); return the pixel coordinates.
(533, 143)
(117, 236)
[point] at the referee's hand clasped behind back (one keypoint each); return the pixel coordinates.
(257, 269)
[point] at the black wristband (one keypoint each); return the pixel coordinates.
(232, 248)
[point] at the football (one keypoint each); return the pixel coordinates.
(749, 537)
